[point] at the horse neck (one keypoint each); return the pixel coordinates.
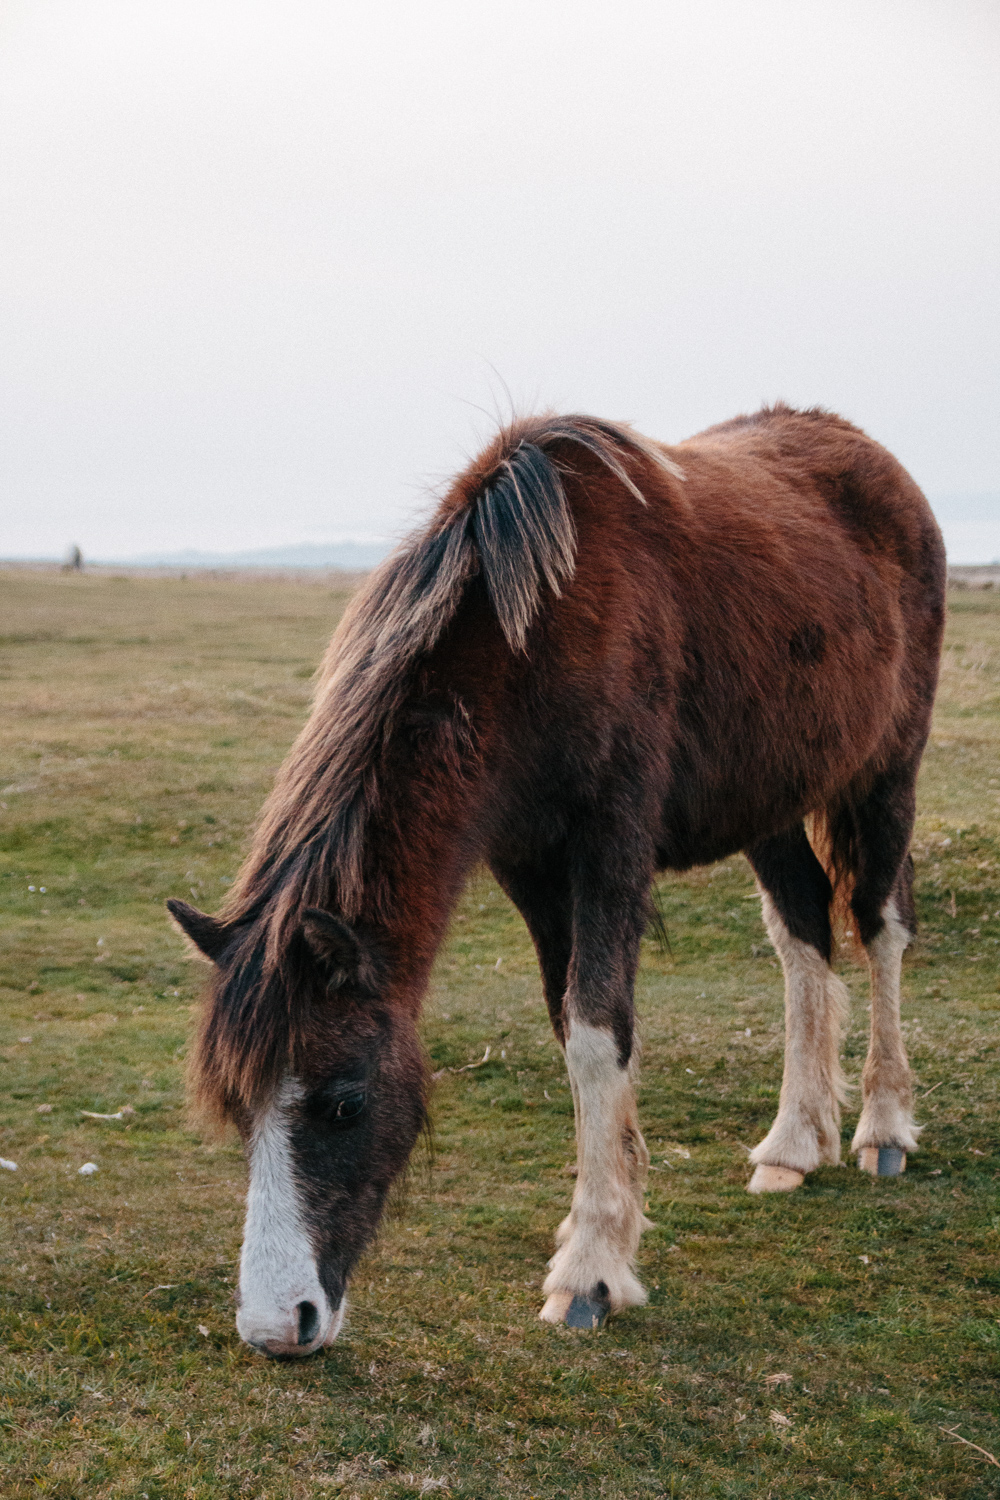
(419, 849)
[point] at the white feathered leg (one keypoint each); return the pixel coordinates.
(592, 1271)
(886, 1082)
(806, 1130)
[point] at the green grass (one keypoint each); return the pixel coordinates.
(808, 1346)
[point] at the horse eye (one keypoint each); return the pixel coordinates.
(348, 1108)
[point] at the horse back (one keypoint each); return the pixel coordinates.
(747, 645)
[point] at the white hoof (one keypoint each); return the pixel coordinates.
(556, 1307)
(775, 1179)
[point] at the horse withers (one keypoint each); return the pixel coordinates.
(602, 658)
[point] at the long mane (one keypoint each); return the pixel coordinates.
(506, 517)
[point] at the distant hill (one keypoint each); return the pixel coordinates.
(354, 556)
(970, 522)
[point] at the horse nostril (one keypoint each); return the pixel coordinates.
(308, 1322)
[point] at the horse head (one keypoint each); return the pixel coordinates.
(324, 1079)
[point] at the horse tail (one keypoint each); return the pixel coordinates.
(833, 836)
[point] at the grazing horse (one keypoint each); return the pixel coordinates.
(601, 658)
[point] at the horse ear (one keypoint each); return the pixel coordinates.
(208, 934)
(335, 946)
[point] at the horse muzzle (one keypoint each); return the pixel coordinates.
(302, 1329)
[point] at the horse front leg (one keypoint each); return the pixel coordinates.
(592, 1272)
(588, 949)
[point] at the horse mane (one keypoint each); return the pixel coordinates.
(506, 517)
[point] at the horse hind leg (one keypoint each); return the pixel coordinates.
(882, 904)
(796, 910)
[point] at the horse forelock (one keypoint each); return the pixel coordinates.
(244, 1045)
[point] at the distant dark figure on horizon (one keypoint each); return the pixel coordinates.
(74, 560)
(601, 658)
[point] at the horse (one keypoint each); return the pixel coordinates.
(601, 658)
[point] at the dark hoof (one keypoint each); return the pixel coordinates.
(587, 1312)
(882, 1161)
(575, 1310)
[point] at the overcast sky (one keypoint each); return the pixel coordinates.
(268, 269)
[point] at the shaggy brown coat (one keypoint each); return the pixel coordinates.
(602, 657)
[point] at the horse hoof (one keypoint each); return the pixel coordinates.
(882, 1161)
(775, 1179)
(575, 1311)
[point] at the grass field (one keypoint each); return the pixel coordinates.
(841, 1342)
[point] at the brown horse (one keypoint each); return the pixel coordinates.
(602, 658)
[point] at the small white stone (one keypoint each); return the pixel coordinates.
(88, 1169)
(7, 1166)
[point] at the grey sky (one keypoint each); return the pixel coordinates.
(261, 263)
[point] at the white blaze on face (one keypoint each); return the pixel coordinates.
(283, 1307)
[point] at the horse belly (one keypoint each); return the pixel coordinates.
(755, 762)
